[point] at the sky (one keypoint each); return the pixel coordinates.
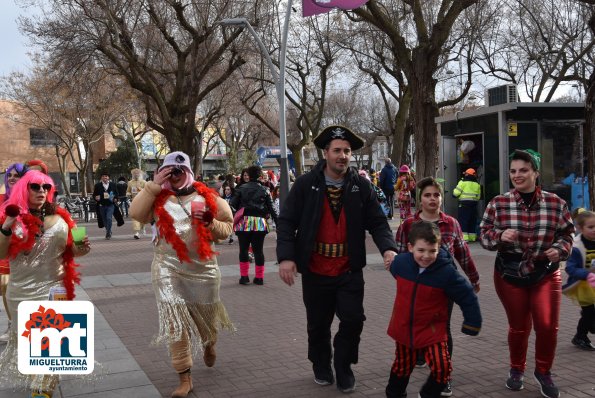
(12, 43)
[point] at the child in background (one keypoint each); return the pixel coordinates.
(426, 280)
(580, 286)
(405, 188)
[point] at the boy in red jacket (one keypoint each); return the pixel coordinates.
(426, 279)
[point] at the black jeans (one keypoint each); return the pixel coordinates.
(325, 296)
(256, 239)
(587, 322)
(468, 216)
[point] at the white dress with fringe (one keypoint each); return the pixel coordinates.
(31, 278)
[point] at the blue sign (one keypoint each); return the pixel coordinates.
(273, 152)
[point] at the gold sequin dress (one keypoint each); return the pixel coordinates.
(187, 294)
(31, 278)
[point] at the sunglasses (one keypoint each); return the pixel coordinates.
(176, 172)
(37, 187)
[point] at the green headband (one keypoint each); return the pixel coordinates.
(534, 155)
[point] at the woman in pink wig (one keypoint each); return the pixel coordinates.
(35, 235)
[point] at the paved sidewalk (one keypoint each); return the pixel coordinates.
(266, 357)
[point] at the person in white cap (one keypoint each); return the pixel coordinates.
(186, 278)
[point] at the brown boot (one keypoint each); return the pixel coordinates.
(185, 386)
(210, 356)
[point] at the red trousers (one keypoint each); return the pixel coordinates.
(535, 306)
(435, 355)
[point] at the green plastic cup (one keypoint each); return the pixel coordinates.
(78, 234)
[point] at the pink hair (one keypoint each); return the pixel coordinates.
(189, 180)
(19, 195)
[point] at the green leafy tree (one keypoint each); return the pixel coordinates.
(120, 162)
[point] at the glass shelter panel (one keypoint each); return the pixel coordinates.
(563, 167)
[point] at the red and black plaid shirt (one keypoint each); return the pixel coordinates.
(451, 238)
(546, 223)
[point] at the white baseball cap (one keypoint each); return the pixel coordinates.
(179, 159)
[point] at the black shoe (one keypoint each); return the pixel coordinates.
(323, 375)
(258, 281)
(515, 380)
(431, 388)
(447, 390)
(583, 343)
(548, 388)
(244, 280)
(108, 236)
(345, 380)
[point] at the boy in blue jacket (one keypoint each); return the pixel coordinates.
(426, 279)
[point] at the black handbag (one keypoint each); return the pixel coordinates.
(509, 269)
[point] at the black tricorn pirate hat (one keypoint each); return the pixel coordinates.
(338, 132)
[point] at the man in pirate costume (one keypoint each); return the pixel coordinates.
(321, 234)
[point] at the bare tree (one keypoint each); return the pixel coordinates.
(77, 111)
(171, 52)
(371, 51)
(310, 58)
(589, 10)
(418, 34)
(538, 45)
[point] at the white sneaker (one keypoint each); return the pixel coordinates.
(4, 336)
(136, 236)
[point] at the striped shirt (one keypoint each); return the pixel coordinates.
(544, 224)
(451, 239)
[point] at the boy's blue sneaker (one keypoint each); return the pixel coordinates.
(515, 380)
(548, 388)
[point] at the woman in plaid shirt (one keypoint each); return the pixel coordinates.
(451, 235)
(532, 231)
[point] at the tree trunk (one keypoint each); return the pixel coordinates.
(297, 158)
(405, 157)
(590, 128)
(425, 134)
(400, 141)
(87, 171)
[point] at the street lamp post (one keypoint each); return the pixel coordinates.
(279, 80)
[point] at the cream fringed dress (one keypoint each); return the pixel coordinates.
(187, 294)
(31, 278)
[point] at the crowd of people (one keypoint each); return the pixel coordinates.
(320, 232)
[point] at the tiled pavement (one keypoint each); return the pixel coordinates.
(266, 357)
